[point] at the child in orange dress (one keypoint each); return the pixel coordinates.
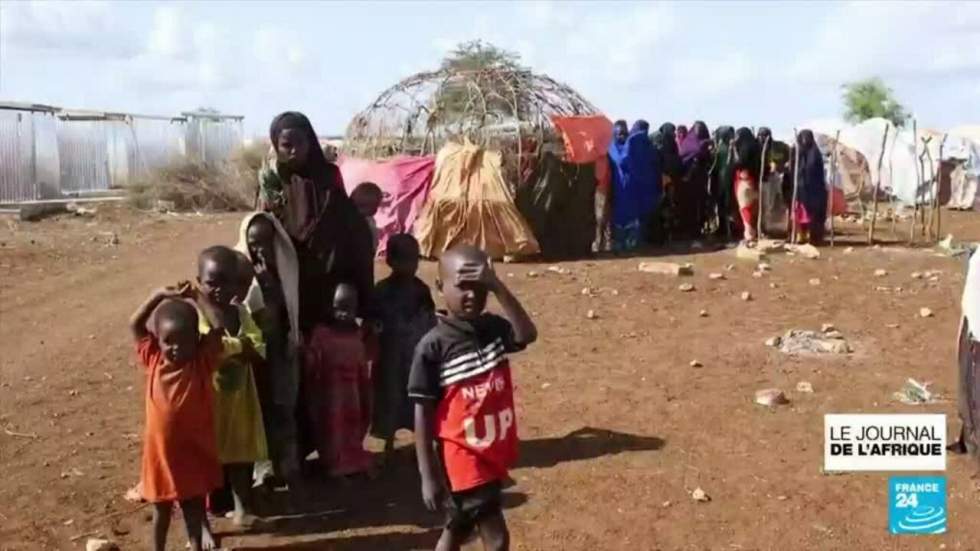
(180, 454)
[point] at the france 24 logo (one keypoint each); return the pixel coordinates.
(917, 504)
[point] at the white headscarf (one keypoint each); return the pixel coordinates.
(287, 266)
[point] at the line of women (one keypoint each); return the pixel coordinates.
(680, 184)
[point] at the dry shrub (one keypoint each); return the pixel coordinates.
(187, 185)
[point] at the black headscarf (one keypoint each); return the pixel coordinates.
(670, 158)
(747, 154)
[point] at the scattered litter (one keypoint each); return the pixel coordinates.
(716, 276)
(798, 341)
(951, 247)
(807, 251)
(700, 495)
(804, 386)
(815, 281)
(915, 393)
(667, 268)
(686, 288)
(695, 363)
(746, 296)
(79, 210)
(770, 397)
(591, 315)
(881, 273)
(925, 313)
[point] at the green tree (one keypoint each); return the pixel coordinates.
(483, 86)
(870, 98)
(477, 55)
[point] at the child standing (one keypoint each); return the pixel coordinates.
(273, 300)
(180, 458)
(337, 386)
(407, 313)
(367, 197)
(238, 416)
(464, 404)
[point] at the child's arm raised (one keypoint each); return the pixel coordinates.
(137, 322)
(525, 332)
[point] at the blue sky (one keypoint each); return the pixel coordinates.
(749, 63)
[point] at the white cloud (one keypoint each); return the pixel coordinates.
(66, 28)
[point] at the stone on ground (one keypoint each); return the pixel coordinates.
(805, 387)
(716, 276)
(770, 397)
(925, 313)
(746, 296)
(685, 287)
(797, 341)
(881, 273)
(700, 495)
(666, 268)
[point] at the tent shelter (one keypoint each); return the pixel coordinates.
(493, 133)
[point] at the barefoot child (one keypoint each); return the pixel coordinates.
(273, 300)
(407, 313)
(464, 404)
(338, 388)
(238, 417)
(180, 458)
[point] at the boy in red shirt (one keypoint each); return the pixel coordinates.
(464, 402)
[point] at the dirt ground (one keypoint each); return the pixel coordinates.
(617, 428)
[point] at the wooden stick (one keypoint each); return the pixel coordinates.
(874, 214)
(918, 178)
(762, 183)
(934, 187)
(796, 168)
(939, 211)
(8, 432)
(833, 183)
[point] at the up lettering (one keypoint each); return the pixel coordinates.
(490, 422)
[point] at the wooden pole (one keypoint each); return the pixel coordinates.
(934, 187)
(762, 183)
(833, 183)
(918, 179)
(939, 211)
(874, 213)
(796, 170)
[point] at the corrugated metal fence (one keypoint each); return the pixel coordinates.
(51, 153)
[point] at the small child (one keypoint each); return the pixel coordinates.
(367, 197)
(464, 403)
(238, 416)
(337, 386)
(407, 313)
(180, 458)
(273, 300)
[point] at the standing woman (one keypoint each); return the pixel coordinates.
(746, 173)
(721, 182)
(670, 169)
(811, 208)
(333, 243)
(691, 194)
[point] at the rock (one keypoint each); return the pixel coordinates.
(774, 341)
(771, 245)
(685, 288)
(797, 341)
(925, 313)
(700, 495)
(665, 504)
(881, 273)
(804, 386)
(807, 251)
(750, 253)
(730, 268)
(770, 397)
(916, 275)
(815, 281)
(544, 386)
(532, 274)
(892, 325)
(849, 250)
(591, 315)
(763, 267)
(79, 210)
(614, 292)
(757, 274)
(746, 296)
(716, 276)
(586, 291)
(94, 544)
(557, 270)
(166, 206)
(695, 363)
(827, 328)
(703, 313)
(773, 286)
(666, 268)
